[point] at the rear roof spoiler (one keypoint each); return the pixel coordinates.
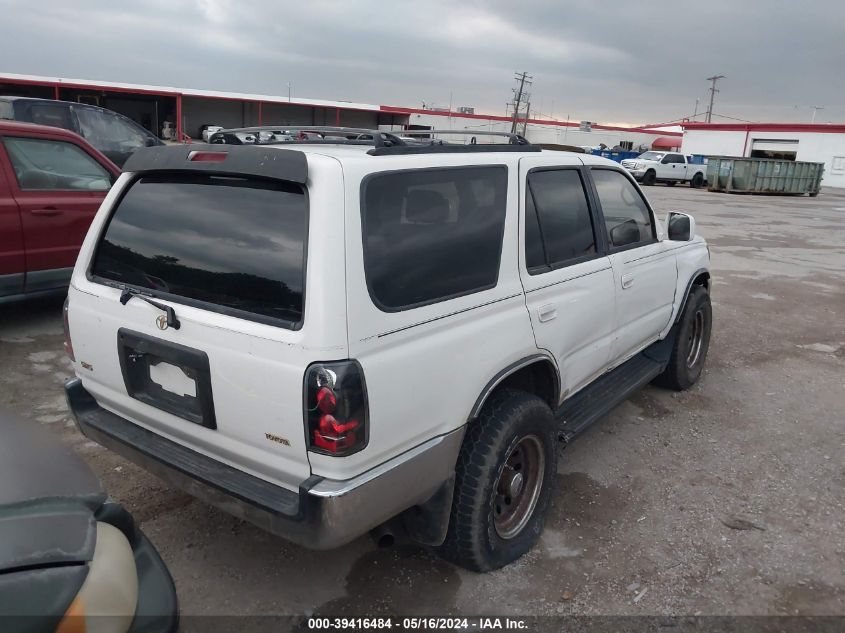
(240, 160)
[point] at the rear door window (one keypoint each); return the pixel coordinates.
(558, 224)
(233, 245)
(432, 235)
(48, 165)
(49, 114)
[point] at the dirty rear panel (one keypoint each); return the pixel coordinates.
(199, 299)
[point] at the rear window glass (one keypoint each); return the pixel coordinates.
(431, 235)
(236, 243)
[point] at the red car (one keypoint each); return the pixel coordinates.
(51, 184)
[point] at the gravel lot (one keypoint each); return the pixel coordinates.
(650, 499)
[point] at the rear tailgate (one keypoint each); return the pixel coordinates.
(226, 251)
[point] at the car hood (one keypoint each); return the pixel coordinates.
(48, 497)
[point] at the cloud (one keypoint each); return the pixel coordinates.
(639, 61)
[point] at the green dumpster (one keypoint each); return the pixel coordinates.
(763, 175)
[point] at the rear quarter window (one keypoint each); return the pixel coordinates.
(233, 245)
(432, 235)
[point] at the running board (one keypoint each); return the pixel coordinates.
(599, 398)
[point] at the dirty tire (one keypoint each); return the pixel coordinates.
(697, 181)
(649, 178)
(685, 366)
(508, 419)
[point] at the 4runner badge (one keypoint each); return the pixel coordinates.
(161, 322)
(278, 439)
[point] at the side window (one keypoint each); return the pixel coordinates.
(50, 114)
(106, 130)
(559, 228)
(431, 235)
(46, 165)
(677, 158)
(626, 217)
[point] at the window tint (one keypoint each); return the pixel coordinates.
(236, 243)
(105, 130)
(675, 158)
(49, 114)
(560, 203)
(42, 164)
(535, 252)
(626, 216)
(432, 235)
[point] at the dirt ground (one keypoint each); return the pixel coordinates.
(650, 499)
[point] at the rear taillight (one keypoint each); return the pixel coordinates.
(336, 408)
(66, 324)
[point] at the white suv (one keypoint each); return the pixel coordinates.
(325, 338)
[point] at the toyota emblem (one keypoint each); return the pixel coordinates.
(161, 322)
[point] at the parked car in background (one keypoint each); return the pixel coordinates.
(668, 167)
(71, 559)
(51, 184)
(115, 135)
(206, 130)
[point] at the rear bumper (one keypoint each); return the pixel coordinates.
(322, 514)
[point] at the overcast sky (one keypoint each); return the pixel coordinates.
(607, 61)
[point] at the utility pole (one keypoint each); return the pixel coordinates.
(519, 95)
(695, 113)
(815, 109)
(525, 123)
(713, 92)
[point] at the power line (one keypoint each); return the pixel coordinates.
(725, 116)
(713, 92)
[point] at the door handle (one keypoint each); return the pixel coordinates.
(627, 280)
(46, 211)
(547, 312)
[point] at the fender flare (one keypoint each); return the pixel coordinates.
(690, 284)
(511, 369)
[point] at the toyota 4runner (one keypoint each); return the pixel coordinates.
(325, 337)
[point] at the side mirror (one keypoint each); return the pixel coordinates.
(680, 227)
(626, 233)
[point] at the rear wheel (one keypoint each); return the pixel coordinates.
(692, 340)
(504, 480)
(649, 178)
(697, 181)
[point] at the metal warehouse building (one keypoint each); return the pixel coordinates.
(821, 143)
(190, 109)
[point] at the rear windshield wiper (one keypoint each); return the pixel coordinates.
(169, 312)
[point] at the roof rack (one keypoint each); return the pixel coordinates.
(383, 143)
(430, 145)
(513, 137)
(325, 135)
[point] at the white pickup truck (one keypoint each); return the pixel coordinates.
(668, 167)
